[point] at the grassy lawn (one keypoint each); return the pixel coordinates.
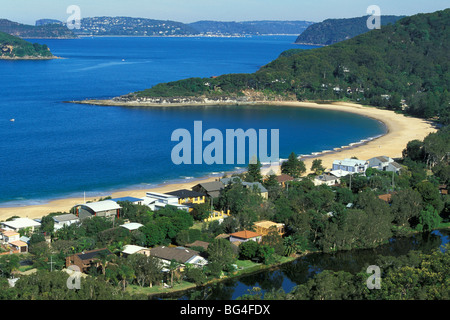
(157, 289)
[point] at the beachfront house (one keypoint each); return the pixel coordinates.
(156, 201)
(349, 166)
(188, 197)
(384, 163)
(18, 224)
(211, 189)
(64, 220)
(105, 208)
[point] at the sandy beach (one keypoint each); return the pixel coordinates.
(401, 130)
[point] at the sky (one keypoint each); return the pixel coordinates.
(28, 11)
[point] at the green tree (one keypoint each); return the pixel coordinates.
(293, 166)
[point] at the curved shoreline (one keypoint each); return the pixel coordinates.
(400, 130)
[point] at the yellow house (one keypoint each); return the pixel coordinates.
(263, 227)
(187, 196)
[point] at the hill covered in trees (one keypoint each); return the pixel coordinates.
(47, 31)
(335, 30)
(15, 48)
(404, 66)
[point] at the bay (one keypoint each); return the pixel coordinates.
(55, 149)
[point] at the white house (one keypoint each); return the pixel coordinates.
(105, 208)
(156, 201)
(179, 254)
(327, 179)
(350, 166)
(19, 224)
(64, 220)
(384, 163)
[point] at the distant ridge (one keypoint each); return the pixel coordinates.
(336, 30)
(129, 26)
(48, 31)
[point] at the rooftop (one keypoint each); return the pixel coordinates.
(132, 226)
(65, 217)
(184, 193)
(89, 255)
(179, 254)
(198, 243)
(130, 199)
(104, 205)
(131, 249)
(212, 186)
(245, 234)
(267, 224)
(284, 177)
(20, 223)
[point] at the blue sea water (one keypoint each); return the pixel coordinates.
(55, 149)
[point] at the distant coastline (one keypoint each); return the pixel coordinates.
(399, 131)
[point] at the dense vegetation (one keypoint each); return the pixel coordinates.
(38, 31)
(335, 30)
(14, 47)
(406, 61)
(316, 218)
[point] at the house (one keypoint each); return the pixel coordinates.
(211, 189)
(64, 220)
(443, 189)
(131, 226)
(188, 196)
(9, 236)
(179, 254)
(350, 166)
(250, 185)
(198, 243)
(384, 163)
(105, 208)
(156, 201)
(20, 223)
(130, 249)
(264, 227)
(327, 179)
(244, 236)
(283, 178)
(133, 200)
(19, 246)
(87, 259)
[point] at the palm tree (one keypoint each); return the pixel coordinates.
(172, 268)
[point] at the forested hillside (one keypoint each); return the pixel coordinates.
(335, 30)
(15, 48)
(401, 66)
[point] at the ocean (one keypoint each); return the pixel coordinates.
(54, 149)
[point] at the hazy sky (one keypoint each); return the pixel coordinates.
(27, 11)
